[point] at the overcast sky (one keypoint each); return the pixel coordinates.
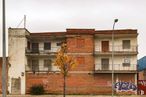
(57, 15)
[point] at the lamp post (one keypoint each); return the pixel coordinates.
(4, 52)
(115, 21)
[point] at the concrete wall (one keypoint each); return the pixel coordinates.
(17, 44)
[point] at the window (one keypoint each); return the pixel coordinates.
(81, 60)
(126, 61)
(28, 45)
(47, 46)
(59, 43)
(80, 43)
(47, 63)
(126, 44)
(35, 65)
(35, 47)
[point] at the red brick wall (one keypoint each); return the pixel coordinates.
(84, 63)
(75, 44)
(82, 48)
(76, 83)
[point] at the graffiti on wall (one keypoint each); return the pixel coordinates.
(125, 86)
(142, 87)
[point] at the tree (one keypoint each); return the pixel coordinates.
(65, 63)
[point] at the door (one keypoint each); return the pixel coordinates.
(15, 86)
(105, 46)
(105, 63)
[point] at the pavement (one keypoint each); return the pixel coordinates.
(74, 96)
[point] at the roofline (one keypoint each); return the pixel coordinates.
(75, 31)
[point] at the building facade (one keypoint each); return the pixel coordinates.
(31, 57)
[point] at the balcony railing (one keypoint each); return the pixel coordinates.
(116, 67)
(117, 49)
(40, 68)
(41, 50)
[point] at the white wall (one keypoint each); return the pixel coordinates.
(54, 68)
(118, 60)
(117, 43)
(54, 47)
(16, 56)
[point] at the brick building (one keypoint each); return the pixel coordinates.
(31, 56)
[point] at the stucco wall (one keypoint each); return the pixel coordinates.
(17, 59)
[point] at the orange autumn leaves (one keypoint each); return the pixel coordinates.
(64, 61)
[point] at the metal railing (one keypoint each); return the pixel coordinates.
(41, 50)
(122, 67)
(40, 68)
(117, 48)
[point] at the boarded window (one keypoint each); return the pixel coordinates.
(81, 60)
(47, 46)
(80, 43)
(15, 85)
(126, 44)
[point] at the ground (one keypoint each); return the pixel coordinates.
(74, 96)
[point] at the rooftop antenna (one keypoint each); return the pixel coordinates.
(22, 21)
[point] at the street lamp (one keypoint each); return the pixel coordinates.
(115, 21)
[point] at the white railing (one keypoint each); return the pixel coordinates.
(42, 51)
(117, 48)
(116, 67)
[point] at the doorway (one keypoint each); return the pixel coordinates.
(15, 88)
(105, 46)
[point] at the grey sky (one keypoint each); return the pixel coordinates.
(57, 15)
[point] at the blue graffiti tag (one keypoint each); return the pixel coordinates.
(125, 86)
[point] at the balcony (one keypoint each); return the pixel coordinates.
(118, 50)
(118, 68)
(41, 51)
(41, 68)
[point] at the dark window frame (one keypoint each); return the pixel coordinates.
(47, 45)
(35, 65)
(35, 47)
(126, 44)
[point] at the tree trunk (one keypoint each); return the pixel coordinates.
(64, 92)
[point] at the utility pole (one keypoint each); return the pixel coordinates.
(115, 21)
(4, 86)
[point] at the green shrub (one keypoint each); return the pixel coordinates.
(37, 90)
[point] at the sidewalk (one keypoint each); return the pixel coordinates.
(73, 96)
